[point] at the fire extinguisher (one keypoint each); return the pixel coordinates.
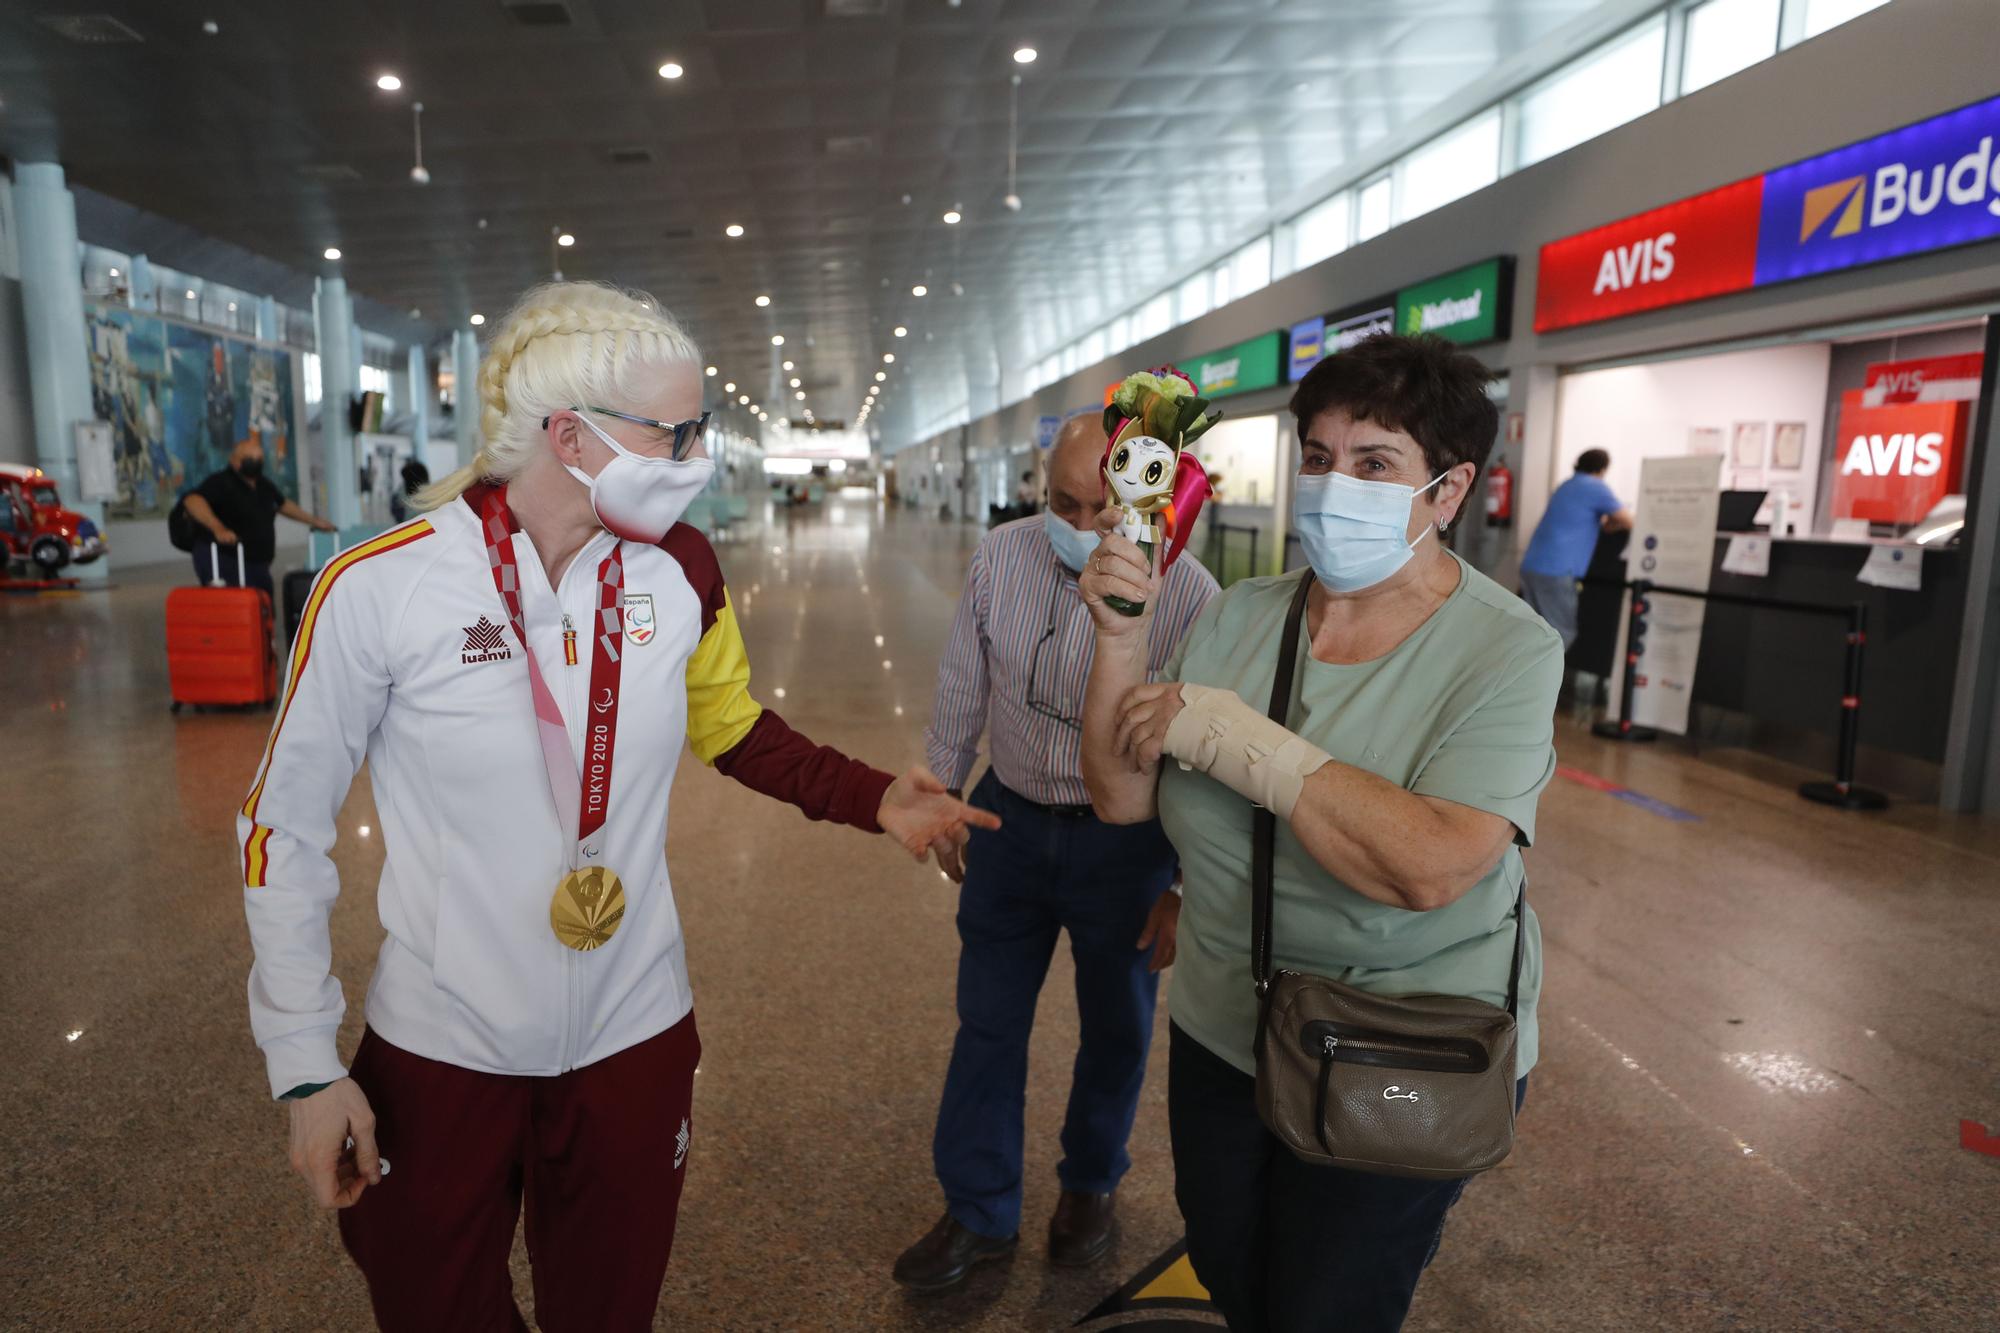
(1500, 495)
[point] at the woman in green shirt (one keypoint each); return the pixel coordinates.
(1424, 734)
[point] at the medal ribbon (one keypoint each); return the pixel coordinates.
(593, 787)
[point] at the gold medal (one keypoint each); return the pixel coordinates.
(587, 909)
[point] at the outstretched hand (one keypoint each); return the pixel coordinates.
(918, 812)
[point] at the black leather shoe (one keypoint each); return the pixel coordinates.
(1080, 1232)
(947, 1253)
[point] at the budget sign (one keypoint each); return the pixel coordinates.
(1924, 187)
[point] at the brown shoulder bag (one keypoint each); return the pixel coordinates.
(1402, 1085)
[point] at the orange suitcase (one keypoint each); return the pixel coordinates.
(219, 647)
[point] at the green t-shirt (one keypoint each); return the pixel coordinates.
(1462, 710)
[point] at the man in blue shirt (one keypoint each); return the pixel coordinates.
(1559, 552)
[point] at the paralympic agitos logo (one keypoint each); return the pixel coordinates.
(1896, 190)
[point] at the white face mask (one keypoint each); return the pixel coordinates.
(1352, 530)
(1073, 548)
(637, 497)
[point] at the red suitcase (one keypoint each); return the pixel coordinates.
(219, 645)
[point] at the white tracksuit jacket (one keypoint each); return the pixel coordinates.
(405, 657)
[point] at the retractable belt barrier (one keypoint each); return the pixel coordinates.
(1842, 792)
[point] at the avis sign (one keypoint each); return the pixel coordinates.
(1897, 460)
(1927, 186)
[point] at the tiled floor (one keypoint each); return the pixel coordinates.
(1761, 1029)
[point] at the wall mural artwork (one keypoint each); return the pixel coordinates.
(179, 399)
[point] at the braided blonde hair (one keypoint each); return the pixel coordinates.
(564, 344)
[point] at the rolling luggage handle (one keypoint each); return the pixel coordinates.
(215, 579)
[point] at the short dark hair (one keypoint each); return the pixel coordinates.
(1415, 383)
(1592, 462)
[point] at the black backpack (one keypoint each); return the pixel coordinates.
(182, 530)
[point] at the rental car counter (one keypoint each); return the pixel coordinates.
(1781, 674)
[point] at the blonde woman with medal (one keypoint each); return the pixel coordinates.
(520, 668)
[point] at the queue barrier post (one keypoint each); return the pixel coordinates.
(1842, 791)
(1635, 637)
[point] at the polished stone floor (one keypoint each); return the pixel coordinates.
(1762, 1028)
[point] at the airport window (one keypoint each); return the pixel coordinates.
(1193, 301)
(1451, 166)
(1121, 334)
(1725, 36)
(1373, 216)
(309, 362)
(1617, 83)
(1093, 347)
(1824, 14)
(1155, 317)
(1320, 232)
(1250, 268)
(1069, 360)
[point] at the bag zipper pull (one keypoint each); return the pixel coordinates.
(1332, 1044)
(569, 641)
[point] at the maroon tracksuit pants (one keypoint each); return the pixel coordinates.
(598, 1154)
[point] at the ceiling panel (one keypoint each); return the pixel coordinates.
(1154, 135)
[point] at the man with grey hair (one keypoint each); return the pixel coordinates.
(1014, 670)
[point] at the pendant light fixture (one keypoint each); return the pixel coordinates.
(418, 172)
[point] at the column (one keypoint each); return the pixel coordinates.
(267, 320)
(419, 378)
(52, 313)
(338, 378)
(465, 367)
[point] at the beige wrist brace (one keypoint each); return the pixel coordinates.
(1218, 734)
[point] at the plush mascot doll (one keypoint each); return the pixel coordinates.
(1153, 417)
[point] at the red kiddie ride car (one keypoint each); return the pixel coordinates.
(35, 526)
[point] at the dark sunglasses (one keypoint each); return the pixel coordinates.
(686, 434)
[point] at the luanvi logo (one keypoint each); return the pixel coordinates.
(485, 642)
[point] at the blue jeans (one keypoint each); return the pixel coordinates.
(1285, 1246)
(1038, 875)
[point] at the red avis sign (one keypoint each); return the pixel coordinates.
(1928, 379)
(1699, 247)
(1896, 461)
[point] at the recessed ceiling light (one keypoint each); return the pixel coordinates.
(1025, 55)
(919, 290)
(190, 295)
(711, 372)
(902, 332)
(114, 272)
(788, 365)
(671, 71)
(881, 375)
(729, 387)
(743, 398)
(800, 395)
(477, 320)
(777, 340)
(565, 239)
(795, 381)
(211, 27)
(388, 83)
(763, 301)
(232, 307)
(952, 216)
(733, 230)
(333, 252)
(888, 358)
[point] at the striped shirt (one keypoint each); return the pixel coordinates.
(1022, 617)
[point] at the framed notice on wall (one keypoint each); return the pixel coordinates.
(1788, 445)
(1705, 439)
(1747, 444)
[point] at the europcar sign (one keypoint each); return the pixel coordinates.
(1927, 186)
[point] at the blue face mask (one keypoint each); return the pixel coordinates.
(1352, 531)
(1073, 548)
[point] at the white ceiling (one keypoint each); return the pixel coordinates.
(1154, 135)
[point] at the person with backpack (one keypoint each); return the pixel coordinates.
(239, 504)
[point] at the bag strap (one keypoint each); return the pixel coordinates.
(1264, 828)
(1264, 824)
